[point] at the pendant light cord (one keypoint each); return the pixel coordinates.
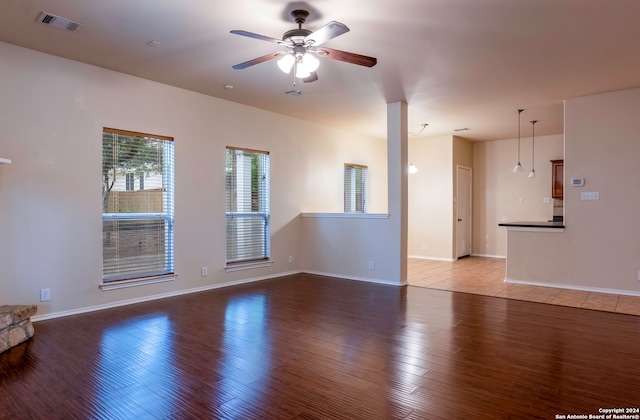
(533, 143)
(532, 174)
(519, 112)
(518, 167)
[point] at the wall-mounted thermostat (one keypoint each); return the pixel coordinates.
(577, 182)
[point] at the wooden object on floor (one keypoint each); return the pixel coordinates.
(312, 347)
(15, 325)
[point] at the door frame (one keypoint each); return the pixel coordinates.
(470, 215)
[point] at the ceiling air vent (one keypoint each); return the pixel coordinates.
(59, 22)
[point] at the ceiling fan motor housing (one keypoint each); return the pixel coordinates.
(299, 16)
(296, 36)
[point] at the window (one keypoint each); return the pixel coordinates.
(247, 205)
(142, 180)
(129, 181)
(355, 188)
(137, 226)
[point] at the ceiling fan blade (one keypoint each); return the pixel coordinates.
(256, 36)
(327, 32)
(258, 60)
(353, 58)
(312, 77)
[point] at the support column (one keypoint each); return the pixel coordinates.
(397, 167)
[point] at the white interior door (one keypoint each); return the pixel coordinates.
(463, 232)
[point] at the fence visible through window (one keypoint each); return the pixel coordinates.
(138, 224)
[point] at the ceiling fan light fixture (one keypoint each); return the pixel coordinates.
(302, 72)
(286, 63)
(310, 63)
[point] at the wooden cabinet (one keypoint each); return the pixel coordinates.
(557, 177)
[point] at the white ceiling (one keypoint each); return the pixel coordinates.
(457, 63)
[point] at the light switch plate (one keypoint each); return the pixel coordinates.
(590, 195)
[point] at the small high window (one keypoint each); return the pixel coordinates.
(355, 188)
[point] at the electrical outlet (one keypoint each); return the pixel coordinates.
(638, 275)
(290, 259)
(424, 247)
(45, 295)
(371, 265)
(204, 271)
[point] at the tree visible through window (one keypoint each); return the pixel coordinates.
(355, 188)
(137, 225)
(247, 205)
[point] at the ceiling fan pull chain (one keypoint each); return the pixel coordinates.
(295, 71)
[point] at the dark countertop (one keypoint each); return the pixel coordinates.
(557, 225)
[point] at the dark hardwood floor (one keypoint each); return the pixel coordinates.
(311, 347)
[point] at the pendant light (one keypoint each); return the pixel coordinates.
(532, 174)
(518, 167)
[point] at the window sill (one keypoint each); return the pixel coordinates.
(347, 215)
(247, 266)
(137, 282)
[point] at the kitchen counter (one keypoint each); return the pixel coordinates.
(534, 226)
(556, 225)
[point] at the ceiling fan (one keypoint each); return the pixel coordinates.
(302, 48)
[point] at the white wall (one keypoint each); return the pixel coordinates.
(370, 247)
(431, 198)
(52, 115)
(500, 195)
(432, 195)
(600, 247)
(343, 245)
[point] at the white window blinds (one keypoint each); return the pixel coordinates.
(247, 205)
(355, 188)
(137, 224)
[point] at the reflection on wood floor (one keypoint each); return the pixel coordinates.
(308, 347)
(485, 276)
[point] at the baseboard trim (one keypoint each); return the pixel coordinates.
(365, 279)
(573, 287)
(422, 257)
(489, 256)
(86, 309)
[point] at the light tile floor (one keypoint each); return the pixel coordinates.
(485, 276)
